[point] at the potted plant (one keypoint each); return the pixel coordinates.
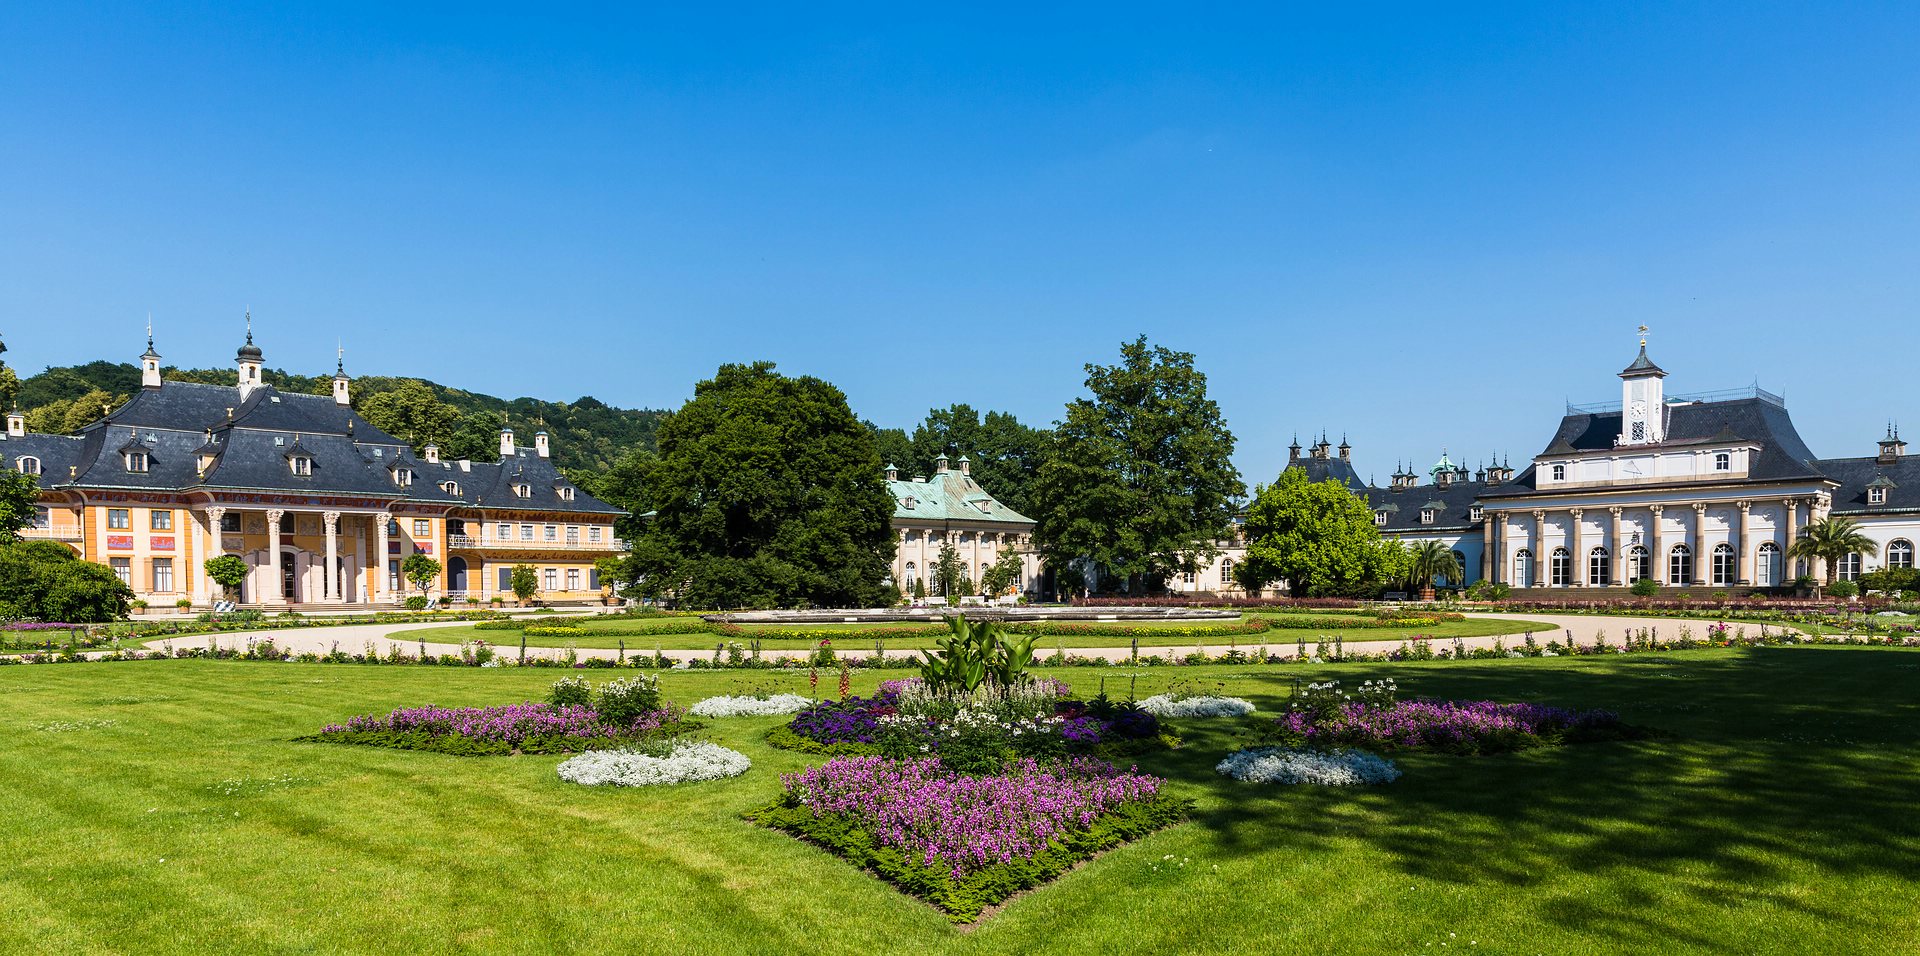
(496, 601)
(138, 606)
(525, 583)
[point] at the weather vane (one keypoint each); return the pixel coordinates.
(1643, 336)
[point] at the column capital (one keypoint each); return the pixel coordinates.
(1615, 510)
(1539, 515)
(332, 518)
(273, 517)
(216, 511)
(1700, 507)
(383, 517)
(1576, 512)
(1656, 509)
(1744, 506)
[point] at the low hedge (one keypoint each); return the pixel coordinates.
(783, 737)
(1121, 629)
(964, 898)
(469, 747)
(863, 635)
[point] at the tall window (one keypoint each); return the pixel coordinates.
(1639, 564)
(573, 579)
(526, 532)
(1599, 567)
(1559, 568)
(552, 532)
(1523, 568)
(1849, 568)
(117, 519)
(393, 575)
(1226, 572)
(573, 534)
(160, 519)
(163, 574)
(122, 569)
(913, 574)
(1460, 559)
(593, 534)
(1766, 566)
(1723, 564)
(1900, 554)
(550, 579)
(1639, 431)
(1680, 565)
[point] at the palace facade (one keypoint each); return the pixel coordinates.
(952, 508)
(321, 505)
(1692, 491)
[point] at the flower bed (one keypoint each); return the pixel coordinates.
(1335, 768)
(1168, 706)
(751, 706)
(964, 843)
(515, 728)
(683, 763)
(854, 720)
(1461, 727)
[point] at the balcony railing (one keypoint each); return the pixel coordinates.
(51, 534)
(480, 542)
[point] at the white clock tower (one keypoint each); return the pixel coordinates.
(1642, 400)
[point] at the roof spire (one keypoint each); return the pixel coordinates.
(249, 325)
(149, 331)
(340, 357)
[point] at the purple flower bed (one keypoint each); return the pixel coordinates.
(528, 727)
(854, 720)
(1480, 726)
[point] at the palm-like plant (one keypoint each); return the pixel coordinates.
(1432, 560)
(1831, 540)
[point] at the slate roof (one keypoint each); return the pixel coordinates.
(1856, 475)
(490, 485)
(1336, 469)
(1783, 455)
(949, 496)
(1452, 505)
(56, 454)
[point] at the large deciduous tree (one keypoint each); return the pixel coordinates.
(766, 492)
(1139, 477)
(19, 494)
(411, 413)
(1005, 455)
(1317, 536)
(46, 580)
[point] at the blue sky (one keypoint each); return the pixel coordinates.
(1424, 226)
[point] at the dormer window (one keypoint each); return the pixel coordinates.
(28, 465)
(451, 487)
(566, 494)
(908, 503)
(1559, 473)
(137, 462)
(301, 465)
(403, 477)
(1426, 516)
(522, 490)
(1379, 519)
(1876, 496)
(1475, 513)
(1722, 461)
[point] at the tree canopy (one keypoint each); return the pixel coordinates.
(766, 492)
(47, 581)
(18, 495)
(1139, 477)
(1319, 537)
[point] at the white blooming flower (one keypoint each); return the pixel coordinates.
(751, 706)
(624, 768)
(1338, 768)
(1165, 705)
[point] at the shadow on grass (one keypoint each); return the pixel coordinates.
(1774, 767)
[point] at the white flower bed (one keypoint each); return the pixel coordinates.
(1164, 705)
(1338, 768)
(685, 763)
(751, 706)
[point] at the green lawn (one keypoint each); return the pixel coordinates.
(453, 634)
(160, 807)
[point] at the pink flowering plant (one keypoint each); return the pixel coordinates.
(1323, 718)
(965, 842)
(513, 728)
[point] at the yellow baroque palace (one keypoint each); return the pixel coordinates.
(321, 505)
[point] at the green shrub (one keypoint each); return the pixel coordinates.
(554, 630)
(625, 699)
(571, 692)
(1843, 589)
(416, 603)
(1645, 587)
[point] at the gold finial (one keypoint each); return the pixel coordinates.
(1643, 336)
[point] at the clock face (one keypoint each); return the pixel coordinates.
(1639, 409)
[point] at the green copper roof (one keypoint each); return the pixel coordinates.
(949, 496)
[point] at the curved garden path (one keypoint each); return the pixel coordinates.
(353, 638)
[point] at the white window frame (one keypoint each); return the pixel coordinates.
(122, 569)
(573, 579)
(1426, 516)
(27, 465)
(119, 519)
(1899, 553)
(1680, 565)
(160, 519)
(1721, 571)
(1722, 461)
(1559, 472)
(162, 575)
(137, 462)
(422, 528)
(301, 465)
(1876, 496)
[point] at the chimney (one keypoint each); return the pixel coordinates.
(966, 465)
(1891, 447)
(1346, 450)
(540, 444)
(506, 443)
(16, 424)
(433, 453)
(940, 464)
(893, 472)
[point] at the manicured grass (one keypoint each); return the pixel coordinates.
(454, 634)
(1773, 814)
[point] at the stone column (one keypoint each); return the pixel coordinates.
(1817, 510)
(379, 589)
(1787, 561)
(208, 589)
(1577, 554)
(1657, 564)
(1701, 558)
(1486, 549)
(1540, 559)
(1615, 553)
(1742, 560)
(278, 587)
(331, 577)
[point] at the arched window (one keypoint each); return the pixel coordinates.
(1639, 564)
(1523, 568)
(1599, 567)
(1900, 554)
(1680, 565)
(1723, 564)
(28, 465)
(1559, 568)
(1766, 566)
(1226, 572)
(1849, 568)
